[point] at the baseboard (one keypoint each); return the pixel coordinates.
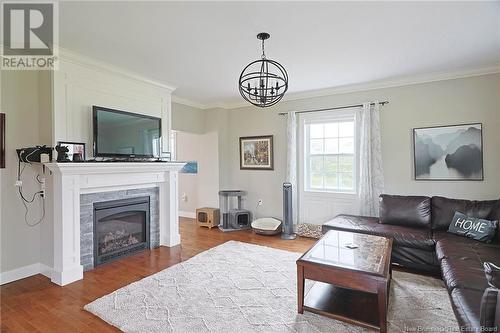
(19, 273)
(24, 272)
(46, 270)
(191, 215)
(69, 275)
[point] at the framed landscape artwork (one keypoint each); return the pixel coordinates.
(256, 153)
(448, 152)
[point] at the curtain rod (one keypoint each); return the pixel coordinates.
(334, 108)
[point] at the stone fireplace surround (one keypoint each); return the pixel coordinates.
(87, 219)
(68, 183)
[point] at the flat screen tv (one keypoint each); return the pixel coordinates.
(124, 134)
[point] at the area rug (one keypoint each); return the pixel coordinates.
(240, 287)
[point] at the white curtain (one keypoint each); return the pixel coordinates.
(291, 157)
(371, 177)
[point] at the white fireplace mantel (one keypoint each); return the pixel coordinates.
(69, 180)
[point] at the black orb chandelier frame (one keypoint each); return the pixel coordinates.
(263, 82)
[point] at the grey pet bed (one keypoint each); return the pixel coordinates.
(267, 226)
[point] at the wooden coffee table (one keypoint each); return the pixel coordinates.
(353, 283)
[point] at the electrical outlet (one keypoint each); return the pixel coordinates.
(184, 197)
(18, 183)
(260, 202)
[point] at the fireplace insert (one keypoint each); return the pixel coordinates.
(121, 227)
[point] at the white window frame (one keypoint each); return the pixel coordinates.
(173, 145)
(324, 117)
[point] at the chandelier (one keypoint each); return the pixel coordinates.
(263, 82)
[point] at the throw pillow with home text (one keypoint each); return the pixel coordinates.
(473, 227)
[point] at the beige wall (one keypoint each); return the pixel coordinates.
(27, 109)
(188, 150)
(198, 190)
(187, 118)
(466, 100)
(201, 136)
(217, 121)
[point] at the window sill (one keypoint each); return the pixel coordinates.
(319, 193)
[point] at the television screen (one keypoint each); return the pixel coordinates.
(124, 134)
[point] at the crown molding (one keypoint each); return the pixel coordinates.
(380, 84)
(394, 82)
(70, 56)
(188, 102)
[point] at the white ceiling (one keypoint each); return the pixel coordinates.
(201, 48)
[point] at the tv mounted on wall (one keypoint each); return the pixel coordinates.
(125, 134)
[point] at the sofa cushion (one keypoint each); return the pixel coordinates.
(466, 304)
(464, 272)
(495, 216)
(417, 259)
(443, 210)
(408, 211)
(419, 238)
(452, 246)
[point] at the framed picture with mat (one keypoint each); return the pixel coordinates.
(256, 153)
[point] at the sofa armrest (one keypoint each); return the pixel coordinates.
(490, 310)
(492, 273)
(490, 302)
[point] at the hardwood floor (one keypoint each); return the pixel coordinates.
(36, 305)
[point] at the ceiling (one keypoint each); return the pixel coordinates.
(201, 47)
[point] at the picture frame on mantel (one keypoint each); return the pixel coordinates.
(256, 153)
(2, 140)
(75, 148)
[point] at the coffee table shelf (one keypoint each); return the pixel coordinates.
(323, 299)
(352, 283)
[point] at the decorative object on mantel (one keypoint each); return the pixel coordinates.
(2, 140)
(448, 152)
(256, 153)
(75, 151)
(62, 154)
(263, 82)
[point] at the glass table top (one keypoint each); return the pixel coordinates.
(349, 250)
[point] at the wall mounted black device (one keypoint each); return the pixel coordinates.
(33, 154)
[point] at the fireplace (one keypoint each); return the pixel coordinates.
(121, 227)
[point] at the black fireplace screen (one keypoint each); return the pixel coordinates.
(121, 227)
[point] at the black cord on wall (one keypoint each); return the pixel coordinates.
(26, 202)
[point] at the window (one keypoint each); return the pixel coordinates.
(330, 154)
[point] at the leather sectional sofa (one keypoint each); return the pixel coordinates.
(418, 226)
